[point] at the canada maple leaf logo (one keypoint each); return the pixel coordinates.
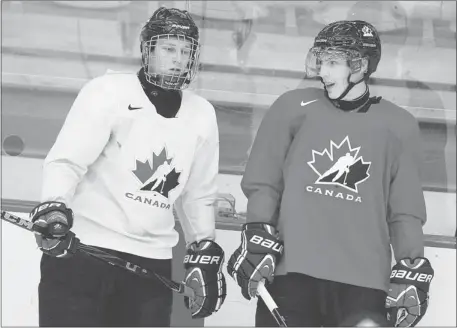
(340, 165)
(159, 176)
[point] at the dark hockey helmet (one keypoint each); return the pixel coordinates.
(168, 23)
(352, 40)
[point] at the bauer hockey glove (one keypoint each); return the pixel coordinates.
(58, 220)
(203, 264)
(256, 258)
(407, 300)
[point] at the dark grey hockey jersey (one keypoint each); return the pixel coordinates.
(341, 187)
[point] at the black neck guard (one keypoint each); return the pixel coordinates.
(360, 105)
(166, 102)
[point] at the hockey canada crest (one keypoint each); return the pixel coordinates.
(340, 165)
(157, 174)
(367, 31)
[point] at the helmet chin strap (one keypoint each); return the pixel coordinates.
(349, 87)
(345, 92)
(354, 104)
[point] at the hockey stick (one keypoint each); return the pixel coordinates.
(179, 288)
(97, 253)
(271, 304)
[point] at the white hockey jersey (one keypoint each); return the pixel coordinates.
(121, 167)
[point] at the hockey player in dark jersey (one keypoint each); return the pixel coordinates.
(134, 146)
(332, 182)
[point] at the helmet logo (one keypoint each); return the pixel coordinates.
(180, 26)
(367, 31)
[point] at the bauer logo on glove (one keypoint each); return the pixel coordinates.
(408, 275)
(202, 259)
(267, 243)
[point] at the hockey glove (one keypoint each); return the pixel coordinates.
(58, 220)
(203, 264)
(407, 299)
(256, 258)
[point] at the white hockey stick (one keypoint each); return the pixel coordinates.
(271, 304)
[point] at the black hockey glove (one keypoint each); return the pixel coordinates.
(58, 220)
(203, 263)
(256, 258)
(407, 300)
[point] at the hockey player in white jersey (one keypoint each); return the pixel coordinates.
(121, 130)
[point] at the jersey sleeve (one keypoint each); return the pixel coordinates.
(195, 206)
(262, 182)
(83, 136)
(406, 206)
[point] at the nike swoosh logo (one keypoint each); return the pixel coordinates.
(308, 102)
(133, 108)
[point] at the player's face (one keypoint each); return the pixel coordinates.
(334, 73)
(171, 56)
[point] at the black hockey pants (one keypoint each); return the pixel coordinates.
(306, 301)
(83, 291)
